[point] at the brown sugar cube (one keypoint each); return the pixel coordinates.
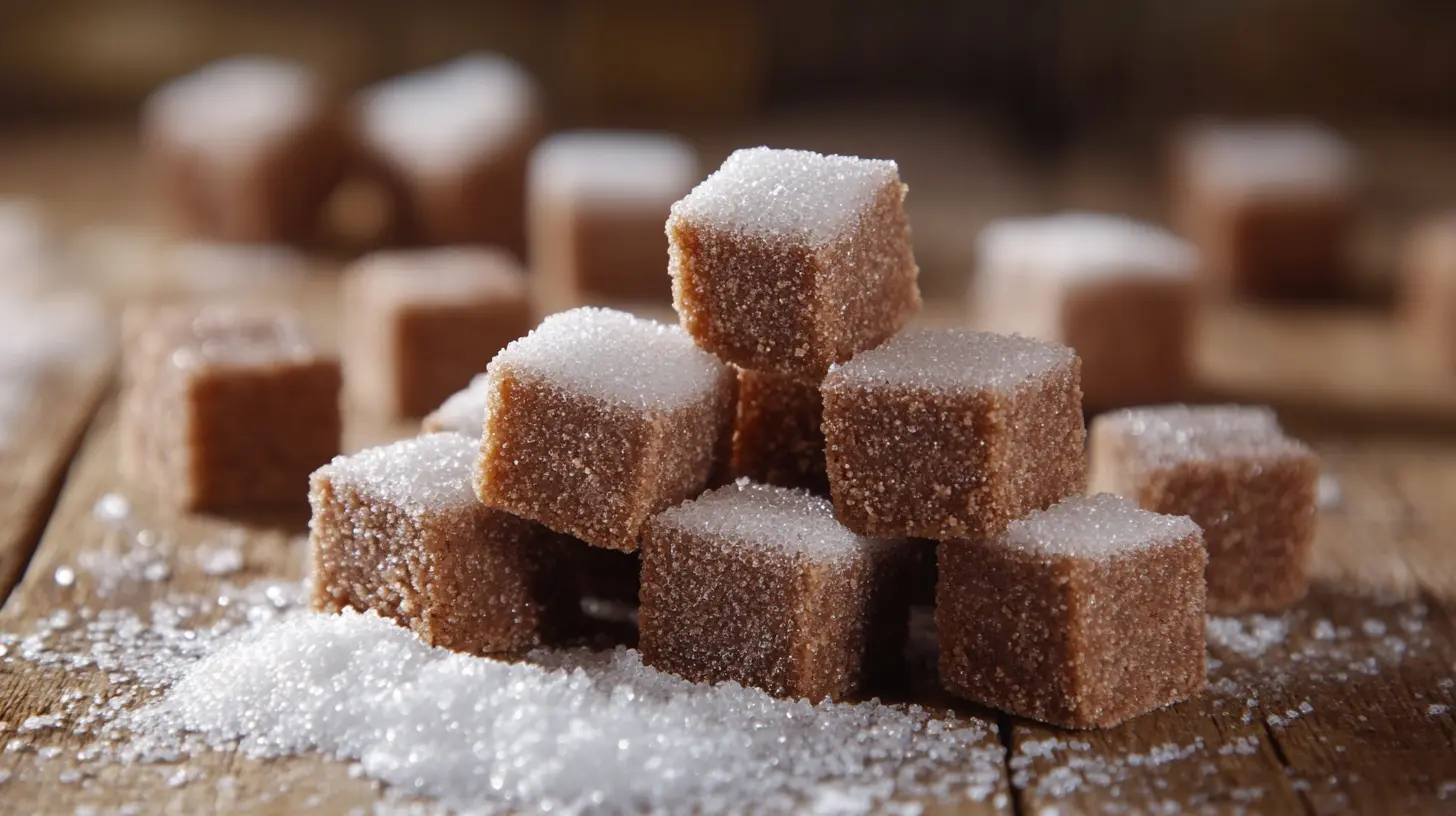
(786, 261)
(462, 412)
(760, 585)
(596, 202)
(597, 420)
(777, 438)
(225, 408)
(398, 530)
(450, 145)
(1232, 470)
(1118, 292)
(1271, 207)
(1428, 288)
(246, 149)
(951, 433)
(418, 324)
(1083, 615)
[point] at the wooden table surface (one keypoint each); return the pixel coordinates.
(1344, 703)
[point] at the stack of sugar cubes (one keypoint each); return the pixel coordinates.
(710, 447)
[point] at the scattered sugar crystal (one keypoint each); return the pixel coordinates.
(112, 509)
(64, 576)
(1324, 630)
(1373, 627)
(1251, 636)
(598, 731)
(437, 119)
(1437, 709)
(1098, 527)
(220, 558)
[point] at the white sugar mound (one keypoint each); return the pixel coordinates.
(748, 514)
(951, 360)
(615, 357)
(417, 475)
(1079, 244)
(1097, 526)
(794, 194)
(434, 121)
(583, 732)
(608, 165)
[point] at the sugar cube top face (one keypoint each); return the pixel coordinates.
(225, 337)
(439, 118)
(235, 102)
(1077, 245)
(464, 411)
(611, 166)
(1095, 528)
(941, 360)
(1271, 157)
(425, 474)
(442, 275)
(787, 194)
(1165, 435)
(780, 519)
(614, 357)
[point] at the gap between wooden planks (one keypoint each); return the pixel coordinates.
(41, 445)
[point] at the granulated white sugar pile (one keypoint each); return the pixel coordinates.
(568, 731)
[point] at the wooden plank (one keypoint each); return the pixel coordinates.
(1325, 359)
(40, 442)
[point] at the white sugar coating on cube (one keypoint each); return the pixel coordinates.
(218, 268)
(236, 104)
(464, 411)
(1298, 157)
(952, 360)
(614, 357)
(241, 336)
(1167, 434)
(752, 515)
(429, 473)
(787, 194)
(1095, 527)
(570, 732)
(1078, 244)
(604, 165)
(443, 275)
(437, 120)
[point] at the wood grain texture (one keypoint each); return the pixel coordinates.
(39, 446)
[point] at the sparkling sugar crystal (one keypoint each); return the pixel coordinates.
(570, 732)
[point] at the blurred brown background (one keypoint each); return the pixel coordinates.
(1049, 67)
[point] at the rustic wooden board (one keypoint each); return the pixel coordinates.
(41, 444)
